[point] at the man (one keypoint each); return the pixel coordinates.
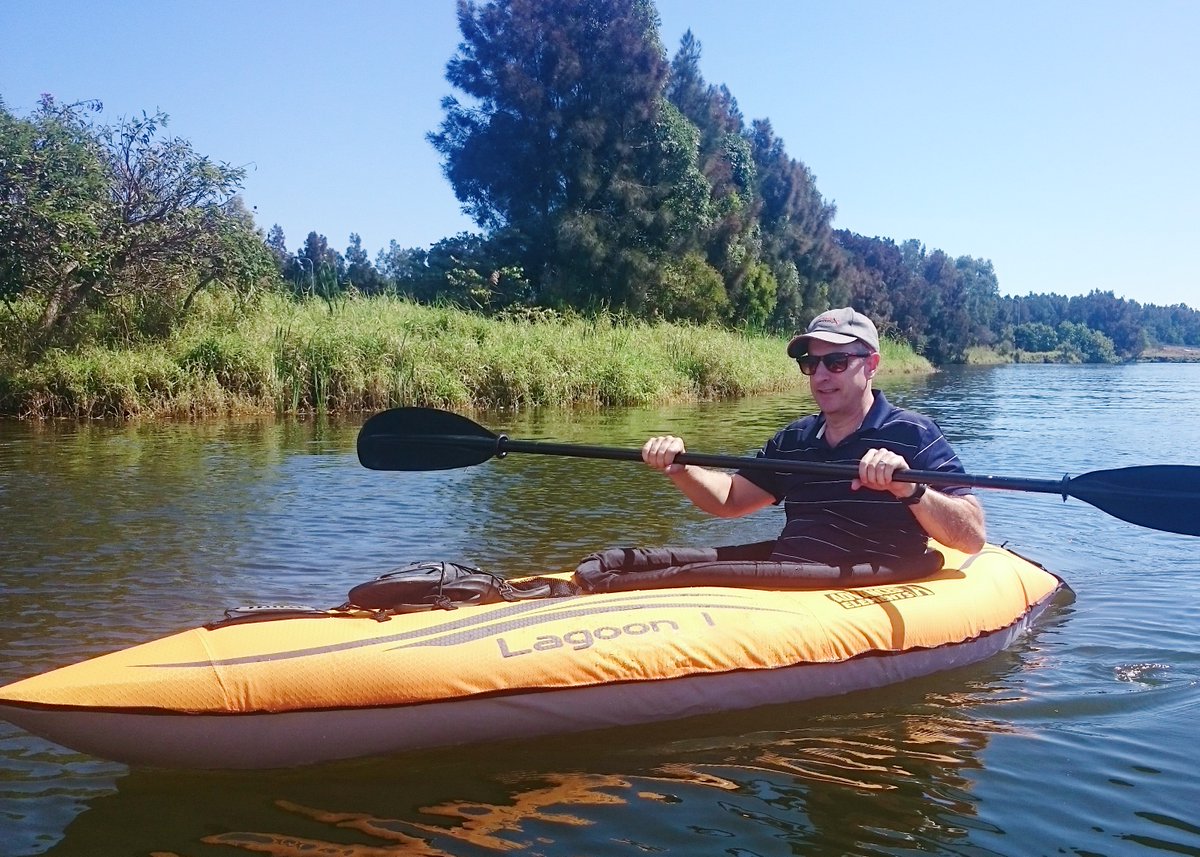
(829, 521)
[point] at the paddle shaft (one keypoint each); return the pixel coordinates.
(502, 445)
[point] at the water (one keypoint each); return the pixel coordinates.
(1077, 742)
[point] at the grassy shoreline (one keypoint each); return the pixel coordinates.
(367, 353)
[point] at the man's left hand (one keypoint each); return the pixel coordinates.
(875, 472)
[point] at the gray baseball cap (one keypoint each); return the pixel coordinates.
(839, 326)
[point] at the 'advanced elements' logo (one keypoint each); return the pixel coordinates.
(852, 599)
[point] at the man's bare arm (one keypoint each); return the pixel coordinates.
(726, 495)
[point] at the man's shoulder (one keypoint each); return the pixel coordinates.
(915, 419)
(917, 437)
(798, 434)
(802, 426)
(889, 417)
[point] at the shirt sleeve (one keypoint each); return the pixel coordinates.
(938, 455)
(770, 481)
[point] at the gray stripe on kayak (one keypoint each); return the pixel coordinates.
(468, 629)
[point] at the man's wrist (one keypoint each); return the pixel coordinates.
(915, 497)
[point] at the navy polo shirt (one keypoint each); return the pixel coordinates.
(829, 523)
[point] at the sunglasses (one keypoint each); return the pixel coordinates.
(837, 362)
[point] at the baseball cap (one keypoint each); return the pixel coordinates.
(839, 326)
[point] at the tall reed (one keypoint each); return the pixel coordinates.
(368, 353)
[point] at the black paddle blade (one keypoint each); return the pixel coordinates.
(1159, 496)
(423, 439)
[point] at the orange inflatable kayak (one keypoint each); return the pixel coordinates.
(306, 689)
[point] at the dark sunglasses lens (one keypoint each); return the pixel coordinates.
(836, 362)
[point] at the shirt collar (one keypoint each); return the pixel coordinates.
(875, 417)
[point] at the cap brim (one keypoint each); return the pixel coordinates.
(797, 346)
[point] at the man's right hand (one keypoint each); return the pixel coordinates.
(659, 453)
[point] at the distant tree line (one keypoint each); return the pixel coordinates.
(944, 306)
(602, 175)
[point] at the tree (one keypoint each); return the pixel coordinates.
(559, 151)
(1080, 343)
(1118, 319)
(979, 290)
(874, 269)
(360, 273)
(53, 179)
(690, 290)
(463, 269)
(400, 266)
(319, 269)
(765, 208)
(277, 244)
(939, 316)
(686, 88)
(232, 253)
(729, 233)
(93, 213)
(1035, 336)
(1046, 309)
(1173, 325)
(796, 225)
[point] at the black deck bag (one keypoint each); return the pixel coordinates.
(750, 566)
(446, 585)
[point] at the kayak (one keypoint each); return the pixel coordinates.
(309, 688)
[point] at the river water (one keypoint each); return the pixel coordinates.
(1079, 741)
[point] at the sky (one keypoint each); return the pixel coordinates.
(1056, 138)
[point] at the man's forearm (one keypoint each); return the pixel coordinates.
(726, 495)
(707, 489)
(956, 522)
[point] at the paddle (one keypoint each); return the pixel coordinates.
(1161, 497)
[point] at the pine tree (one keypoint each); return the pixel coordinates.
(562, 152)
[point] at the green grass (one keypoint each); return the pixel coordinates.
(983, 355)
(365, 354)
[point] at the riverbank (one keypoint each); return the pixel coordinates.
(984, 356)
(1170, 354)
(279, 355)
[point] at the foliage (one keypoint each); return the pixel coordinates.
(90, 213)
(360, 274)
(1035, 336)
(606, 201)
(1128, 326)
(690, 290)
(277, 244)
(316, 269)
(757, 297)
(1173, 325)
(1120, 320)
(54, 181)
(602, 173)
(797, 231)
(559, 147)
(399, 264)
(1079, 343)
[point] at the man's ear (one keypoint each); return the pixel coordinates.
(872, 364)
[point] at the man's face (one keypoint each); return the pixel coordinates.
(841, 392)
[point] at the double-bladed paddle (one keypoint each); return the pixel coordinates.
(1160, 496)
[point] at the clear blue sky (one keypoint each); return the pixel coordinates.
(1058, 139)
